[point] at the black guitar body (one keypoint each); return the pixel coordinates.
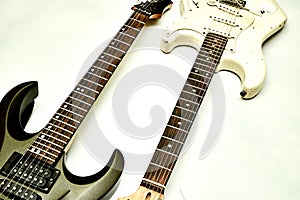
(22, 177)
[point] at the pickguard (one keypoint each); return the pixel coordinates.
(245, 27)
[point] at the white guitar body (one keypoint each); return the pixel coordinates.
(246, 30)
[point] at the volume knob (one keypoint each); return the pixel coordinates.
(212, 2)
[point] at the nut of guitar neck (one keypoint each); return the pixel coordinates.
(143, 193)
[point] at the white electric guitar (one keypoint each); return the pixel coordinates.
(245, 24)
(229, 36)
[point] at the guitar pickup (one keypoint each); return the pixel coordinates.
(31, 172)
(14, 191)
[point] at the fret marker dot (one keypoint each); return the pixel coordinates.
(179, 123)
(194, 90)
(92, 69)
(169, 146)
(102, 57)
(207, 74)
(196, 71)
(187, 105)
(78, 88)
(56, 116)
(82, 90)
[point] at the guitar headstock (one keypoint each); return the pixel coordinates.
(144, 194)
(153, 8)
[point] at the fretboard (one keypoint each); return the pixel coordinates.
(184, 113)
(56, 135)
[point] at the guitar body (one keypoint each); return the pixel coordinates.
(15, 110)
(248, 30)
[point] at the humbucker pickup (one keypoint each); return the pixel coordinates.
(31, 172)
(14, 191)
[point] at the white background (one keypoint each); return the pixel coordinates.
(258, 153)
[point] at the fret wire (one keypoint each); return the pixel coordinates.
(67, 117)
(88, 88)
(72, 112)
(65, 123)
(52, 143)
(103, 69)
(199, 81)
(182, 101)
(181, 113)
(179, 129)
(193, 94)
(137, 21)
(53, 149)
(195, 73)
(98, 76)
(55, 138)
(106, 62)
(57, 121)
(127, 35)
(186, 109)
(151, 163)
(122, 42)
(85, 95)
(174, 121)
(57, 133)
(81, 101)
(112, 56)
(41, 155)
(132, 28)
(82, 98)
(95, 83)
(115, 48)
(172, 139)
(43, 150)
(201, 69)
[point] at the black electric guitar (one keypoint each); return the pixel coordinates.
(32, 166)
(224, 30)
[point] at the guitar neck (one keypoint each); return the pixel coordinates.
(57, 134)
(184, 113)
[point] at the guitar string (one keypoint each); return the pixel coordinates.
(160, 176)
(36, 156)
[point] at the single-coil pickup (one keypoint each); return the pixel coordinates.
(212, 30)
(231, 10)
(224, 21)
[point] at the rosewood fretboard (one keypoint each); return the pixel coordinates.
(184, 113)
(56, 135)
